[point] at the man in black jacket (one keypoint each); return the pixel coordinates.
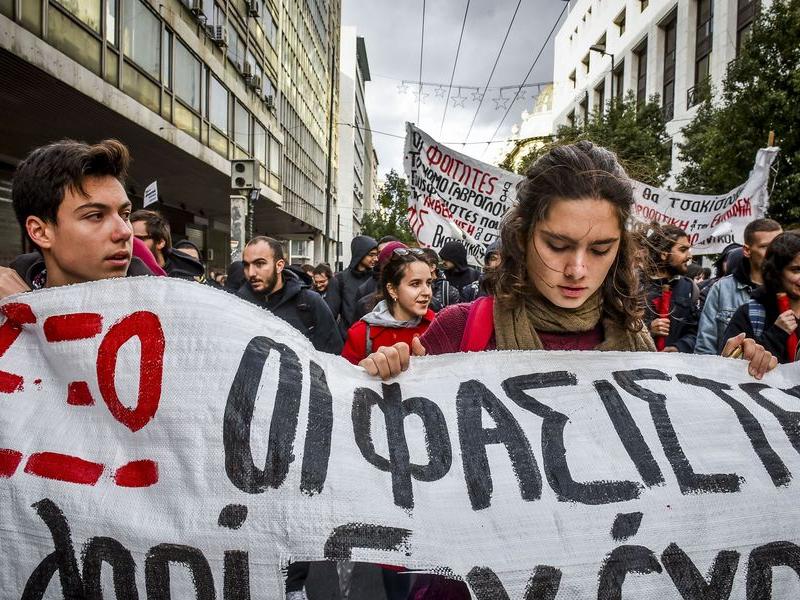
(153, 229)
(269, 284)
(454, 264)
(343, 290)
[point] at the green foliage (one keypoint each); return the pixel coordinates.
(759, 94)
(389, 216)
(637, 135)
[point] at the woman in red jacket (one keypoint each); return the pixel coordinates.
(402, 311)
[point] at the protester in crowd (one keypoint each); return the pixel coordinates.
(724, 265)
(731, 291)
(401, 309)
(566, 281)
(444, 294)
(69, 198)
(454, 265)
(491, 259)
(369, 288)
(153, 229)
(234, 277)
(281, 291)
(189, 248)
(694, 272)
(771, 314)
(308, 269)
(670, 254)
(322, 275)
(343, 290)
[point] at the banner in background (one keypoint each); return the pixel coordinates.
(192, 447)
(453, 196)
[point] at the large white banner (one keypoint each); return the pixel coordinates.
(160, 439)
(453, 196)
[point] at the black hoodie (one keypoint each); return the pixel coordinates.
(182, 266)
(301, 307)
(31, 266)
(773, 338)
(342, 294)
(461, 275)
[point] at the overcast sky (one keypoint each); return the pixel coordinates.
(392, 31)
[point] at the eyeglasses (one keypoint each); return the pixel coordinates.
(407, 251)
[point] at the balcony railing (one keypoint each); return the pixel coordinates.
(697, 94)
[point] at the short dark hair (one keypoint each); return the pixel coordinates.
(323, 269)
(431, 256)
(780, 253)
(758, 225)
(155, 223)
(42, 179)
(660, 239)
(275, 245)
(388, 238)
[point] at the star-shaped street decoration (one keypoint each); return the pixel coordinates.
(522, 94)
(458, 101)
(439, 92)
(402, 88)
(500, 102)
(477, 96)
(420, 96)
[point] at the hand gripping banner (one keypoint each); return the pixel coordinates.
(160, 439)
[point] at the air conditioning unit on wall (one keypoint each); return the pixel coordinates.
(254, 82)
(218, 35)
(254, 8)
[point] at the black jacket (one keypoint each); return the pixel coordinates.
(443, 294)
(460, 275)
(30, 266)
(342, 294)
(683, 314)
(301, 307)
(180, 265)
(773, 338)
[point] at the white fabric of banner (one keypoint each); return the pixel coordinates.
(186, 438)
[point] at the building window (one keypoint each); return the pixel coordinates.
(274, 156)
(218, 105)
(747, 11)
(600, 97)
(703, 41)
(618, 81)
(235, 48)
(111, 22)
(241, 126)
(166, 59)
(668, 94)
(584, 105)
(585, 62)
(572, 78)
(620, 22)
(259, 142)
(270, 29)
(141, 34)
(643, 4)
(187, 76)
(87, 11)
(641, 73)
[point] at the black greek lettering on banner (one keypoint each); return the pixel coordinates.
(236, 430)
(554, 452)
(690, 582)
(317, 449)
(760, 565)
(343, 539)
(157, 568)
(543, 584)
(688, 481)
(789, 419)
(104, 549)
(621, 561)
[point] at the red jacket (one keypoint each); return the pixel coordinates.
(355, 348)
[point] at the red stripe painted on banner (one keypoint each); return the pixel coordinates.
(64, 467)
(137, 473)
(78, 394)
(9, 461)
(77, 326)
(18, 313)
(10, 383)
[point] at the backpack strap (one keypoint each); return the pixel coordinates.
(480, 325)
(368, 343)
(758, 318)
(445, 293)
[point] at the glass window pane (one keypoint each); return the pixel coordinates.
(241, 126)
(259, 142)
(141, 34)
(111, 22)
(234, 47)
(187, 76)
(87, 11)
(218, 105)
(274, 156)
(166, 63)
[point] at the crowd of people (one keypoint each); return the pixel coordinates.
(567, 273)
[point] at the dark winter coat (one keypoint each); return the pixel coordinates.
(182, 266)
(301, 307)
(30, 267)
(343, 289)
(443, 294)
(460, 275)
(683, 313)
(773, 338)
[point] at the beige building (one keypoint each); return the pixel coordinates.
(188, 85)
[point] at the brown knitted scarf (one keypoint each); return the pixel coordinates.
(515, 329)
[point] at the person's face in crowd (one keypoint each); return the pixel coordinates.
(758, 249)
(493, 260)
(320, 282)
(572, 250)
(448, 265)
(140, 231)
(91, 238)
(260, 267)
(790, 278)
(370, 260)
(413, 295)
(189, 251)
(679, 256)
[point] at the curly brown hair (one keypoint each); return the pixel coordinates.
(571, 172)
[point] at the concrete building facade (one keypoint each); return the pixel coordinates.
(677, 50)
(358, 161)
(188, 85)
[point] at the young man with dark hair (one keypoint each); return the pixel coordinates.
(670, 255)
(281, 290)
(455, 267)
(733, 290)
(343, 291)
(153, 229)
(70, 201)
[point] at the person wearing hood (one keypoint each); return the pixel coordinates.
(491, 259)
(454, 264)
(190, 249)
(403, 309)
(731, 291)
(153, 229)
(342, 294)
(287, 293)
